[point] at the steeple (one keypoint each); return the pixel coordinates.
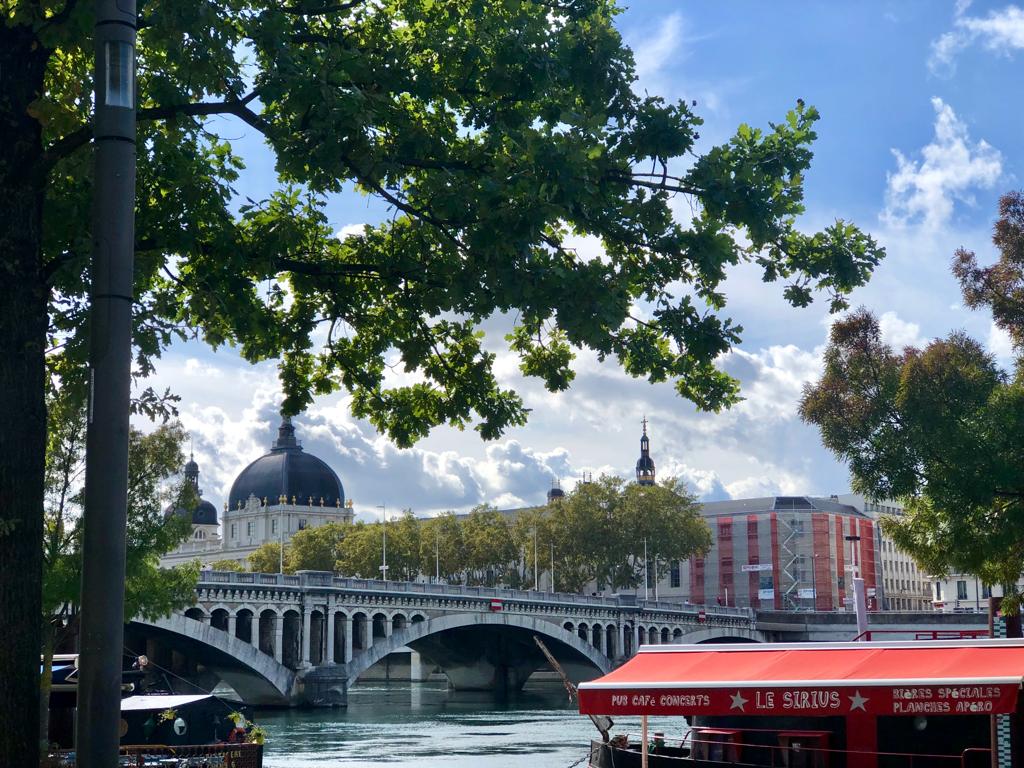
(192, 473)
(645, 464)
(286, 435)
(556, 491)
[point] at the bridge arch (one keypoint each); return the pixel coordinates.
(257, 677)
(422, 629)
(723, 635)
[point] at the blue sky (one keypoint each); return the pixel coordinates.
(921, 107)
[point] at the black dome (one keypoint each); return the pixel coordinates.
(204, 513)
(645, 463)
(290, 472)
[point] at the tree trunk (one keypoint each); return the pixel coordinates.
(46, 684)
(23, 307)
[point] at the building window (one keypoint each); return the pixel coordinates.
(961, 590)
(302, 524)
(725, 531)
(986, 591)
(234, 530)
(938, 590)
(673, 573)
(250, 528)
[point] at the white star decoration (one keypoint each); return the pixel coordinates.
(738, 702)
(857, 702)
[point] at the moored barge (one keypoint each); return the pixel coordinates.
(918, 704)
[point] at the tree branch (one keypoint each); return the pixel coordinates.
(323, 9)
(61, 16)
(66, 145)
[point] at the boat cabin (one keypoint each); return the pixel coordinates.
(931, 704)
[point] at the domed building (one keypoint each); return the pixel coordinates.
(645, 464)
(203, 515)
(555, 492)
(282, 492)
(287, 473)
(279, 494)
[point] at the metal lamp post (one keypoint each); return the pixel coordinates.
(536, 569)
(859, 596)
(384, 552)
(647, 571)
(552, 567)
(814, 582)
(110, 354)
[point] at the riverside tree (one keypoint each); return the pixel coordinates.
(939, 427)
(267, 558)
(154, 461)
(315, 549)
(597, 533)
(494, 131)
(361, 551)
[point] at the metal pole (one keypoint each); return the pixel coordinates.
(646, 571)
(655, 577)
(110, 354)
(814, 582)
(437, 557)
(643, 737)
(552, 567)
(536, 570)
(280, 541)
(384, 552)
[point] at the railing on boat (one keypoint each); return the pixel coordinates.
(972, 757)
(192, 756)
(925, 634)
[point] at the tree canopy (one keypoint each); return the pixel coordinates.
(266, 558)
(939, 427)
(598, 533)
(154, 461)
(496, 132)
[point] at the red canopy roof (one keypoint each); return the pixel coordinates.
(816, 679)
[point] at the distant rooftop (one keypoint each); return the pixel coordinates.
(777, 504)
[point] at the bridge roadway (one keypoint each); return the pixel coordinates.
(291, 639)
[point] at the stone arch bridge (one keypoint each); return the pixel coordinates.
(303, 638)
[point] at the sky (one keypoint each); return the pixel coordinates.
(921, 106)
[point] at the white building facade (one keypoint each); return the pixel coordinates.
(281, 493)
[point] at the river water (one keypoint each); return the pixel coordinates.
(425, 724)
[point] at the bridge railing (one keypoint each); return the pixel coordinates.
(399, 588)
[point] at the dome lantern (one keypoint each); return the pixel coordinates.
(287, 473)
(645, 464)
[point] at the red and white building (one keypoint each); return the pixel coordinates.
(781, 552)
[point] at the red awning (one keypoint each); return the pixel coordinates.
(813, 679)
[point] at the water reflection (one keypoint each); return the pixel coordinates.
(425, 723)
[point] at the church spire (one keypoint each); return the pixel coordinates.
(192, 472)
(645, 464)
(286, 434)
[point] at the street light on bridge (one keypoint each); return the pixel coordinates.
(384, 552)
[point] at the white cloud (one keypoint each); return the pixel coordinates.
(351, 230)
(999, 343)
(193, 367)
(773, 379)
(660, 49)
(1001, 32)
(950, 166)
(899, 333)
